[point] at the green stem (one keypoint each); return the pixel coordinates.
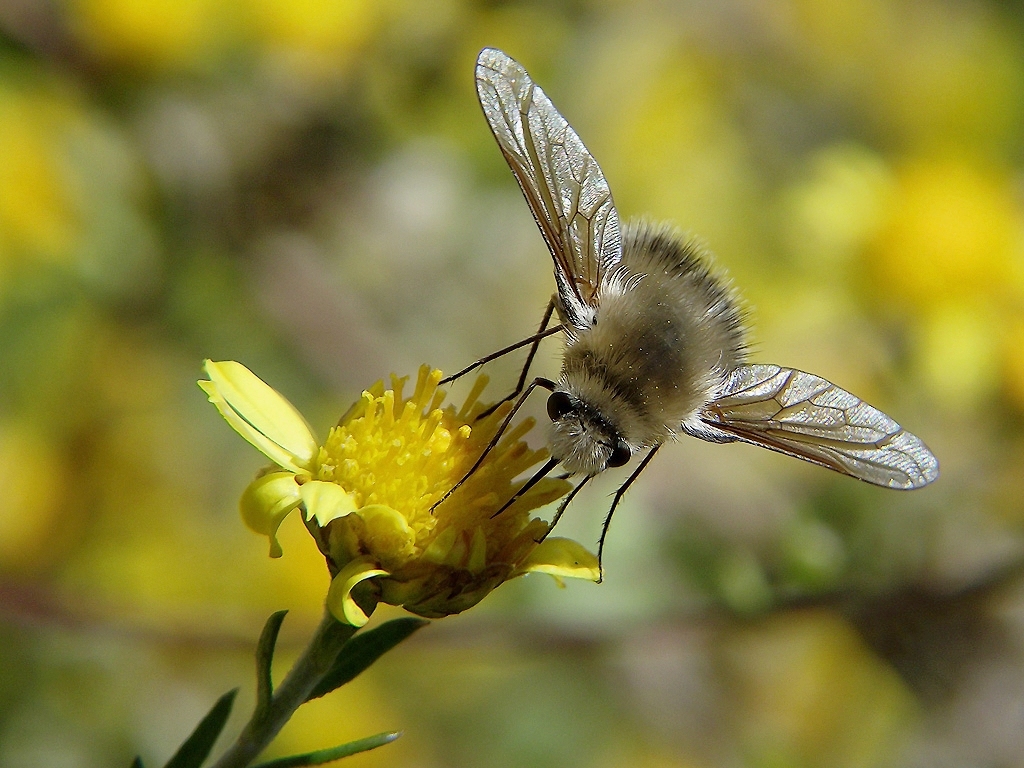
(310, 667)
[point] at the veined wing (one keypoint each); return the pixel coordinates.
(805, 416)
(560, 179)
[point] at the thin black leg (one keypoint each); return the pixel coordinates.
(535, 340)
(541, 333)
(539, 475)
(563, 505)
(615, 502)
(533, 350)
(538, 382)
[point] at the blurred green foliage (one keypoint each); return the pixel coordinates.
(308, 187)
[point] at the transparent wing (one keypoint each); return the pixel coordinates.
(805, 416)
(562, 182)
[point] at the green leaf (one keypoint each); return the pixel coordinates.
(362, 650)
(197, 746)
(334, 753)
(264, 660)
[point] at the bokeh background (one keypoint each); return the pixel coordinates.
(308, 186)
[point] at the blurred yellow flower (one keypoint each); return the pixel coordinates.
(838, 206)
(809, 692)
(946, 80)
(953, 233)
(31, 476)
(38, 215)
(368, 493)
(958, 353)
(157, 34)
(312, 36)
(838, 35)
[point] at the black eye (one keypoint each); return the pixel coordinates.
(559, 406)
(620, 455)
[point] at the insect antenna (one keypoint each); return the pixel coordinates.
(615, 502)
(539, 475)
(538, 382)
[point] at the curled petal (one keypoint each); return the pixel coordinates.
(326, 501)
(339, 596)
(266, 502)
(260, 414)
(562, 558)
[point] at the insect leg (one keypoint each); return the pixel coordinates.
(542, 333)
(538, 382)
(563, 505)
(615, 502)
(539, 475)
(533, 350)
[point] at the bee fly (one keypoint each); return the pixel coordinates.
(654, 338)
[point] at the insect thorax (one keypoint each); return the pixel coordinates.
(668, 332)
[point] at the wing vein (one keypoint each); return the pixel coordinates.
(814, 420)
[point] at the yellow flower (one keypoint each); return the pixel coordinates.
(952, 234)
(153, 34)
(313, 38)
(38, 212)
(368, 493)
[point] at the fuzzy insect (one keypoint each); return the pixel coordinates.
(654, 337)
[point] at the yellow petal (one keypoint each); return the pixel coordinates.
(266, 502)
(260, 414)
(561, 558)
(326, 501)
(339, 596)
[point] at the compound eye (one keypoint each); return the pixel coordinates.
(559, 406)
(620, 455)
